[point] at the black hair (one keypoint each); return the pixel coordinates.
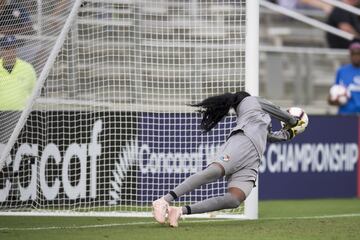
(215, 108)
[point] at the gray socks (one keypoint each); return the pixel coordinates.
(209, 174)
(227, 201)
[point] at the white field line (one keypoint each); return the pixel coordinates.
(190, 221)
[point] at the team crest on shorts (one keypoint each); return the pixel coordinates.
(225, 158)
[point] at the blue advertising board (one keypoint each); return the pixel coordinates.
(171, 148)
(126, 156)
(320, 163)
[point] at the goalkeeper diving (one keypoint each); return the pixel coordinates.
(238, 158)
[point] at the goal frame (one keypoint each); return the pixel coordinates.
(40, 82)
(251, 85)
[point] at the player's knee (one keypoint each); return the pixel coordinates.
(237, 193)
(233, 201)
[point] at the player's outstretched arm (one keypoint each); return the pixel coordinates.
(288, 132)
(277, 113)
(279, 136)
(285, 133)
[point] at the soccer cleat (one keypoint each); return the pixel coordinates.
(174, 215)
(160, 209)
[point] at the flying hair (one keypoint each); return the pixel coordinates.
(215, 108)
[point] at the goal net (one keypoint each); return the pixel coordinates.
(101, 126)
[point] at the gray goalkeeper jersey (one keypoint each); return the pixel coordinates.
(254, 120)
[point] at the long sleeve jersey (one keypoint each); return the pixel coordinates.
(253, 118)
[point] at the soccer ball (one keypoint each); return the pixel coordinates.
(339, 93)
(303, 119)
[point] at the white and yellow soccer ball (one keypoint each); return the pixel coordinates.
(302, 117)
(339, 93)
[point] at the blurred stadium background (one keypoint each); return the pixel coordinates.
(296, 66)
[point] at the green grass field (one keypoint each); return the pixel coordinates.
(305, 219)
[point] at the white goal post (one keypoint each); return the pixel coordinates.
(107, 129)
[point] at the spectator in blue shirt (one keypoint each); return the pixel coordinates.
(349, 76)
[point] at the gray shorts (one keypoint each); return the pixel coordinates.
(240, 160)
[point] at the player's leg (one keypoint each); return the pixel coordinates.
(233, 156)
(230, 200)
(210, 174)
(240, 161)
(213, 172)
(227, 201)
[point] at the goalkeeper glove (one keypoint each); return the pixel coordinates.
(292, 132)
(297, 129)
